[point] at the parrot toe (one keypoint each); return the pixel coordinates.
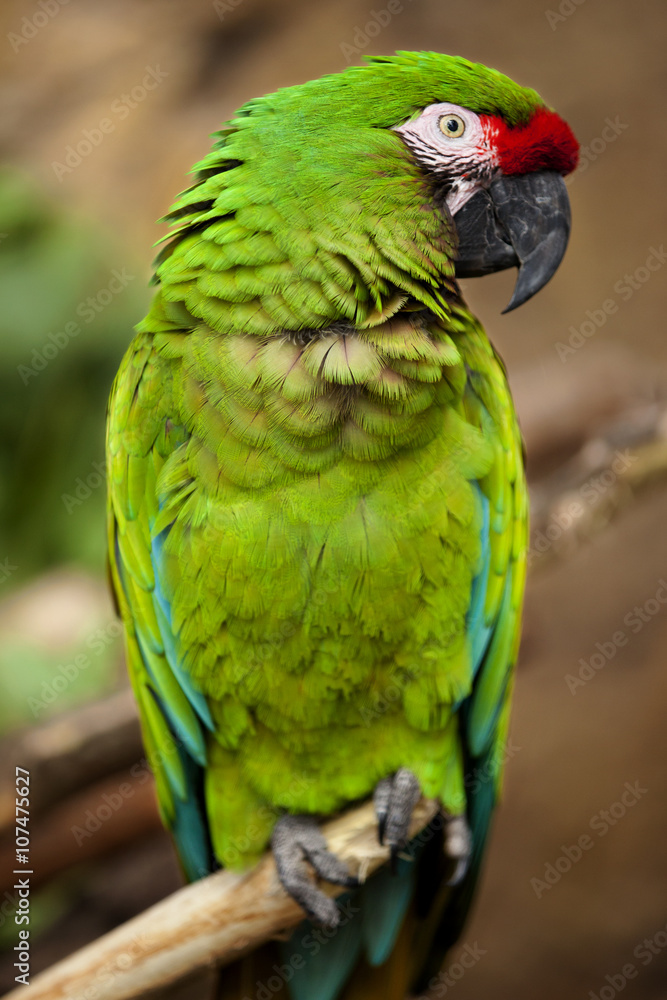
(297, 843)
(458, 846)
(394, 799)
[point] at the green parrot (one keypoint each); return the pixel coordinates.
(317, 505)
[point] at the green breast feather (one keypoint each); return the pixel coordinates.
(315, 511)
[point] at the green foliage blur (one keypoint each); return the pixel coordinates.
(69, 301)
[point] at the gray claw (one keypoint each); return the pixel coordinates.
(296, 841)
(458, 846)
(394, 799)
(381, 801)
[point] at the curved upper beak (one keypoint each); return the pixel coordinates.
(520, 220)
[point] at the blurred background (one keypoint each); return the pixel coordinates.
(106, 105)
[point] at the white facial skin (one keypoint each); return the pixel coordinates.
(451, 142)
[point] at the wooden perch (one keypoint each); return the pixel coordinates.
(211, 922)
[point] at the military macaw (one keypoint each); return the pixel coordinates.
(317, 504)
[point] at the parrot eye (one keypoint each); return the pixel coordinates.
(452, 126)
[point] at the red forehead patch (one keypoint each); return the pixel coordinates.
(546, 142)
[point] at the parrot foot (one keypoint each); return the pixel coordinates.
(297, 842)
(394, 799)
(458, 846)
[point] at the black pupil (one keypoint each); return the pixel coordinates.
(452, 125)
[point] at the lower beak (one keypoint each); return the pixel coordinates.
(520, 220)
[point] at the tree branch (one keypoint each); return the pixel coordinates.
(213, 921)
(84, 827)
(608, 473)
(70, 751)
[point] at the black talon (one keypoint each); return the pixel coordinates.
(296, 842)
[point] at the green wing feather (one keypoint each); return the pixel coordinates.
(174, 715)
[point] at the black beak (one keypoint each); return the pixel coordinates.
(520, 220)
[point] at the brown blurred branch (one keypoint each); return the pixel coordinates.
(70, 751)
(562, 406)
(90, 824)
(609, 473)
(213, 921)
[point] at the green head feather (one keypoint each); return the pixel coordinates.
(387, 90)
(310, 206)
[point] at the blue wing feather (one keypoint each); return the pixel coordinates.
(479, 632)
(164, 619)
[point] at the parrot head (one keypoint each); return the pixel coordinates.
(417, 168)
(503, 185)
(496, 156)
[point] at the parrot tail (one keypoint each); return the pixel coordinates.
(392, 937)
